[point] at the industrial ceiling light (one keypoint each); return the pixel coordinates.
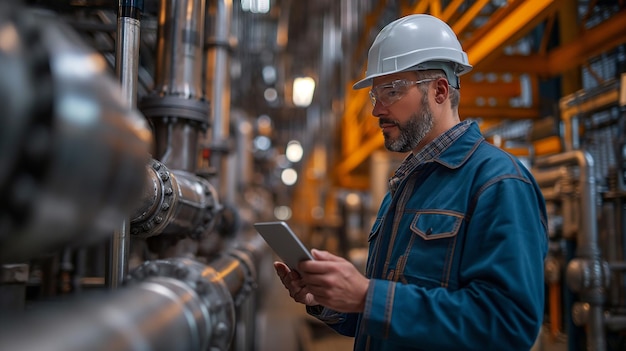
(303, 89)
(294, 151)
(256, 6)
(289, 176)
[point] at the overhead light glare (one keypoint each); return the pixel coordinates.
(303, 89)
(256, 6)
(294, 151)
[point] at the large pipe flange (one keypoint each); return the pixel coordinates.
(218, 310)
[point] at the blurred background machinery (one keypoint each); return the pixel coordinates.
(140, 139)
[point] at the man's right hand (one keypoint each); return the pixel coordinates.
(293, 282)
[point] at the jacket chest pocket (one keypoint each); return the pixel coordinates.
(428, 259)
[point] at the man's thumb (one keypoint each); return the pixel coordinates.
(324, 255)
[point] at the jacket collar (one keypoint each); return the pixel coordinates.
(462, 148)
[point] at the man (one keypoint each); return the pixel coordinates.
(456, 252)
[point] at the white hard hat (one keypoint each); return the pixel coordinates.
(412, 43)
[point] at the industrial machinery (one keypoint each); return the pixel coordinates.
(86, 175)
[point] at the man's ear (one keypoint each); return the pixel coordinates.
(441, 90)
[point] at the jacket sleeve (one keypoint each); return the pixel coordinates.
(500, 299)
(342, 323)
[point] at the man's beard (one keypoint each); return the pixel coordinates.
(413, 131)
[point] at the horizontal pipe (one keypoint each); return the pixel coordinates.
(174, 203)
(158, 314)
(177, 304)
(588, 235)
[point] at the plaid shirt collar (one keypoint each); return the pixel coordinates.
(427, 153)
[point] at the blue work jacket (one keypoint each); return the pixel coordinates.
(455, 257)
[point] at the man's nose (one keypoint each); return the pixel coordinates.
(379, 109)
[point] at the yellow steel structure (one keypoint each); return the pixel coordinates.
(487, 99)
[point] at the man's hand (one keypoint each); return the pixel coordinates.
(293, 282)
(333, 282)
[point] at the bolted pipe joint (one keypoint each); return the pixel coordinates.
(215, 314)
(175, 203)
(589, 277)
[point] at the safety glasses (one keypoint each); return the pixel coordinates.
(389, 93)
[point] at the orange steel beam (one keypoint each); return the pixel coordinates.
(517, 64)
(472, 90)
(355, 100)
(569, 30)
(350, 122)
(593, 42)
(359, 155)
(435, 8)
(370, 21)
(516, 24)
(487, 112)
(605, 36)
(420, 7)
(494, 20)
(548, 146)
(451, 9)
(547, 33)
(468, 16)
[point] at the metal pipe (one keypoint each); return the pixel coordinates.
(586, 273)
(176, 304)
(177, 107)
(119, 248)
(127, 47)
(161, 313)
(174, 203)
(588, 235)
(218, 44)
(546, 178)
(68, 175)
(126, 69)
(179, 48)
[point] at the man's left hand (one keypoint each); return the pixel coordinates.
(334, 282)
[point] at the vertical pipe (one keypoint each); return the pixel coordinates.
(587, 272)
(126, 69)
(218, 85)
(127, 47)
(177, 106)
(118, 255)
(179, 48)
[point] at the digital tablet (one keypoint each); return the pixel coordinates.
(284, 242)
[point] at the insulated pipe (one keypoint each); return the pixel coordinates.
(586, 273)
(126, 68)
